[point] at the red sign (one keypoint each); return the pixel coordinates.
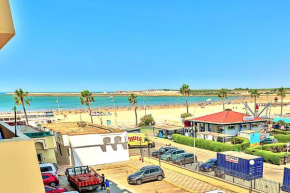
(135, 138)
(232, 159)
(186, 123)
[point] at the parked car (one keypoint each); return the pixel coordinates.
(209, 165)
(56, 189)
(161, 151)
(268, 141)
(48, 168)
(50, 179)
(171, 153)
(184, 158)
(146, 174)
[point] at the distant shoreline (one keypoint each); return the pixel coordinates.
(118, 94)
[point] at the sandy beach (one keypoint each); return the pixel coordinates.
(163, 113)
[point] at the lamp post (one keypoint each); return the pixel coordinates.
(252, 162)
(58, 104)
(100, 108)
(113, 100)
(15, 121)
(144, 103)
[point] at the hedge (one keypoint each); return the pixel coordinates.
(267, 155)
(245, 143)
(207, 144)
(277, 131)
(282, 138)
(279, 146)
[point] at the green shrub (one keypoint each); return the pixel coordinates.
(268, 156)
(277, 146)
(282, 138)
(184, 115)
(245, 143)
(146, 120)
(206, 144)
(277, 131)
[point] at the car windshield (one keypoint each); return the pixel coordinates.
(210, 161)
(170, 151)
(140, 171)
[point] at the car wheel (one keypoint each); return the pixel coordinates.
(129, 146)
(52, 184)
(139, 182)
(159, 178)
(181, 163)
(168, 159)
(150, 145)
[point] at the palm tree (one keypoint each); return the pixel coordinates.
(86, 98)
(184, 90)
(255, 94)
(19, 99)
(223, 93)
(282, 93)
(133, 100)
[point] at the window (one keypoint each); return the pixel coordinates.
(68, 152)
(153, 170)
(147, 172)
(190, 155)
(45, 177)
(46, 169)
(47, 189)
(231, 127)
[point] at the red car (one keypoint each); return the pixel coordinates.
(56, 189)
(50, 179)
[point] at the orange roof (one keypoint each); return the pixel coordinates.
(226, 117)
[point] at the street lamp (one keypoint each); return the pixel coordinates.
(100, 108)
(15, 122)
(144, 103)
(252, 162)
(113, 100)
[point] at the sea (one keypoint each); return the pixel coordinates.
(41, 103)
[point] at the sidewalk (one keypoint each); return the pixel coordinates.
(271, 171)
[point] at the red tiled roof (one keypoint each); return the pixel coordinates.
(225, 117)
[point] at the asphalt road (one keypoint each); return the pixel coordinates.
(113, 187)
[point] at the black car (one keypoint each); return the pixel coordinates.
(162, 150)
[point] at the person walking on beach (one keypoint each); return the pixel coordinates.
(103, 185)
(108, 186)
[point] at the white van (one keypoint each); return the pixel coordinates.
(48, 168)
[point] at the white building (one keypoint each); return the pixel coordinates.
(89, 144)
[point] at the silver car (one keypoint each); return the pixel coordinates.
(184, 158)
(146, 174)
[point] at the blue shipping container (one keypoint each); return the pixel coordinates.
(286, 180)
(238, 164)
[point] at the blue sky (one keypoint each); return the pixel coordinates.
(128, 45)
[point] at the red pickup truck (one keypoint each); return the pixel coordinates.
(83, 178)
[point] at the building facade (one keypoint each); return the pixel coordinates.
(75, 147)
(226, 122)
(18, 158)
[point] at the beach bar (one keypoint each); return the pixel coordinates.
(227, 122)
